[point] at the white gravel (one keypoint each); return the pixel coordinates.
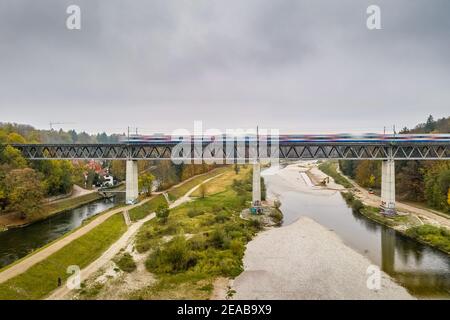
(304, 260)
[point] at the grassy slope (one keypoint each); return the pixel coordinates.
(51, 209)
(144, 210)
(220, 183)
(181, 190)
(216, 241)
(330, 168)
(41, 279)
(71, 203)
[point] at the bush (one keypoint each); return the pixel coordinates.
(435, 236)
(222, 217)
(277, 204)
(277, 216)
(162, 213)
(237, 247)
(348, 197)
(219, 239)
(174, 257)
(126, 263)
(256, 223)
(357, 205)
(198, 242)
(194, 212)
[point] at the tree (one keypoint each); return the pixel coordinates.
(162, 212)
(58, 175)
(24, 191)
(371, 181)
(4, 199)
(437, 184)
(12, 158)
(236, 169)
(117, 169)
(430, 125)
(410, 180)
(203, 190)
(367, 169)
(146, 183)
(15, 138)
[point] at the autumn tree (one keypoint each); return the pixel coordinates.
(118, 170)
(146, 183)
(24, 191)
(203, 190)
(368, 173)
(58, 175)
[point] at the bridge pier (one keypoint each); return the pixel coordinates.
(132, 189)
(256, 190)
(388, 187)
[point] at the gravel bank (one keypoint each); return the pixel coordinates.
(304, 260)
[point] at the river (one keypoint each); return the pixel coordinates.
(422, 270)
(17, 243)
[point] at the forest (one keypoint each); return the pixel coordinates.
(426, 182)
(24, 185)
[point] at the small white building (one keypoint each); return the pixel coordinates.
(108, 180)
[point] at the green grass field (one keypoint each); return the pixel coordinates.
(144, 210)
(181, 190)
(42, 278)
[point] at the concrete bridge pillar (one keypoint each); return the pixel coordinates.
(132, 189)
(388, 187)
(256, 190)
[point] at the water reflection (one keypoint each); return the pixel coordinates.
(434, 282)
(17, 243)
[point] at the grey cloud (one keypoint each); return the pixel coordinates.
(160, 64)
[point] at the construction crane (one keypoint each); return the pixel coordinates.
(58, 123)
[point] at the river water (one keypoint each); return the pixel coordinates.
(17, 243)
(422, 270)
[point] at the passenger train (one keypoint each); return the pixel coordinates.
(291, 138)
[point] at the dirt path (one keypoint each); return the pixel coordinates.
(77, 192)
(124, 241)
(104, 258)
(428, 216)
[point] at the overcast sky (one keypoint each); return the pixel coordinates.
(295, 65)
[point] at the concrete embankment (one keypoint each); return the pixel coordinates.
(304, 260)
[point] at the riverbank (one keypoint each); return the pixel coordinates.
(434, 231)
(12, 220)
(304, 260)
